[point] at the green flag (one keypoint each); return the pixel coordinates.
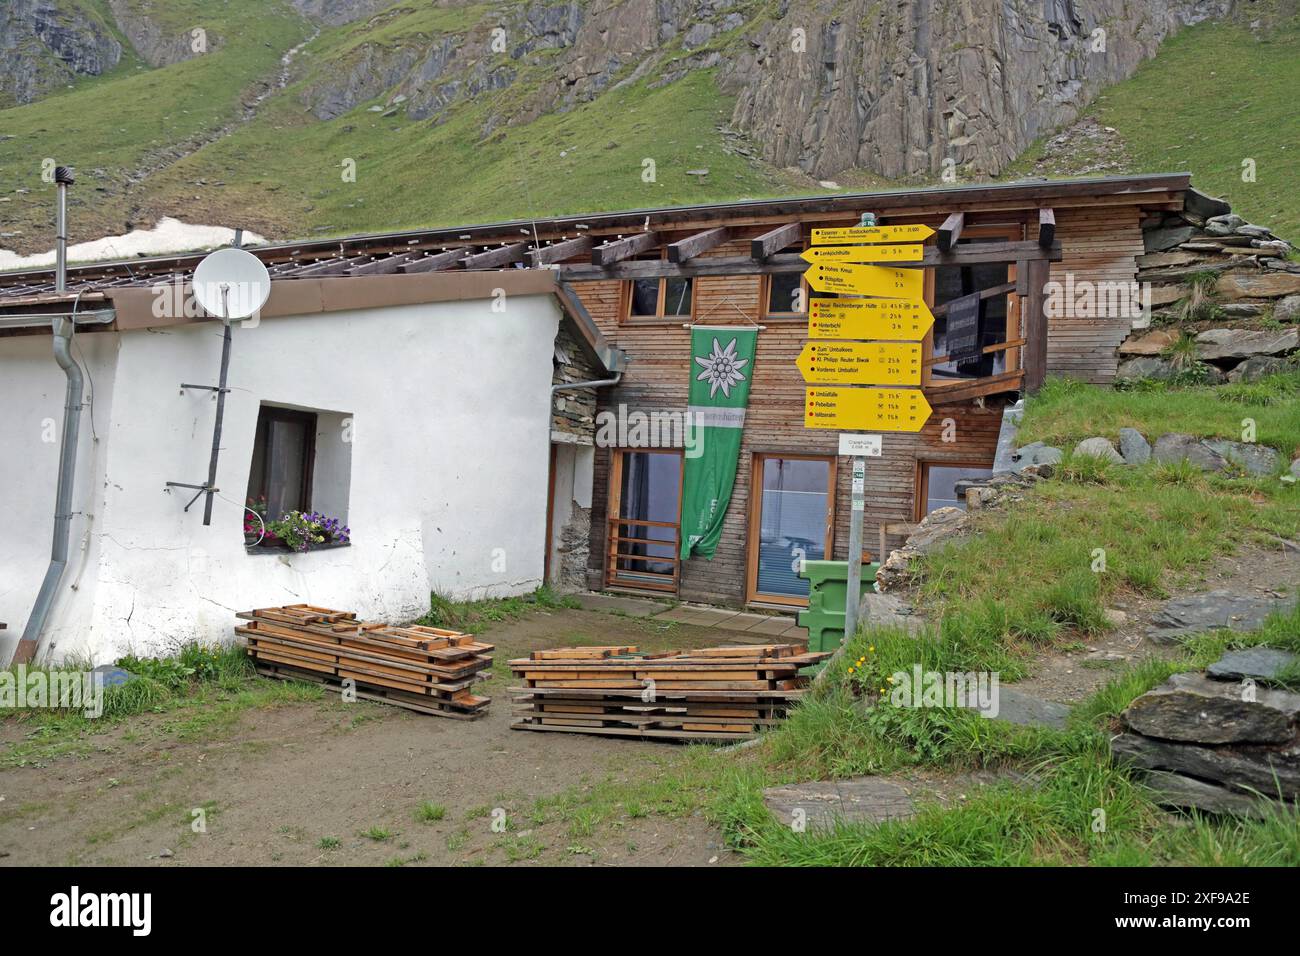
(721, 367)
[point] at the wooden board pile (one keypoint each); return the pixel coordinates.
(722, 693)
(426, 669)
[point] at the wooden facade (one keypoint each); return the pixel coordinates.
(1030, 235)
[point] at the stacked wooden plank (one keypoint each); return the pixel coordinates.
(722, 693)
(426, 669)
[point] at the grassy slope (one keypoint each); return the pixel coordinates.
(1215, 96)
(111, 126)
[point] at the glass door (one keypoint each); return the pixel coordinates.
(644, 520)
(791, 519)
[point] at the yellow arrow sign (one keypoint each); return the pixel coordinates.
(866, 280)
(912, 232)
(861, 363)
(895, 319)
(866, 409)
(913, 252)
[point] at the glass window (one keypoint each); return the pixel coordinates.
(940, 485)
(649, 492)
(282, 460)
(792, 522)
(677, 296)
(952, 282)
(645, 297)
(785, 294)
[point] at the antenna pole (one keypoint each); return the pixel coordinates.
(221, 405)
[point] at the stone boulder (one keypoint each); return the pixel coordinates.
(1256, 663)
(1035, 453)
(1099, 448)
(1134, 449)
(1195, 709)
(1215, 345)
(1174, 447)
(820, 806)
(1259, 366)
(1287, 310)
(1266, 769)
(1144, 367)
(936, 529)
(1153, 343)
(888, 610)
(1211, 611)
(1255, 458)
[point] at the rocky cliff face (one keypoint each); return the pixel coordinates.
(899, 88)
(903, 89)
(45, 44)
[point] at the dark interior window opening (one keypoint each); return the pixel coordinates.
(283, 453)
(952, 282)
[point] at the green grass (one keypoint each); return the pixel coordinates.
(1067, 411)
(1214, 96)
(112, 126)
(428, 812)
(479, 615)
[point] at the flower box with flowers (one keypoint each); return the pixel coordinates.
(295, 531)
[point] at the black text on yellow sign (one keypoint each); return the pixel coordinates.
(891, 319)
(861, 363)
(882, 281)
(866, 409)
(912, 252)
(908, 232)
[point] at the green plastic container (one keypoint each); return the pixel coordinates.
(828, 583)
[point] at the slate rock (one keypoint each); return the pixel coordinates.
(1023, 708)
(1257, 663)
(1203, 206)
(888, 610)
(1144, 367)
(1035, 453)
(1134, 449)
(1211, 611)
(1218, 344)
(1229, 220)
(1152, 343)
(1176, 446)
(1158, 240)
(1195, 709)
(1287, 310)
(1255, 232)
(1255, 458)
(1099, 448)
(858, 800)
(1257, 367)
(1188, 793)
(1269, 770)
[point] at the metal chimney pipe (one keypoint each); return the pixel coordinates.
(63, 178)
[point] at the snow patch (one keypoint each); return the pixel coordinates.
(168, 237)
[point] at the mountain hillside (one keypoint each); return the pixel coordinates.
(318, 117)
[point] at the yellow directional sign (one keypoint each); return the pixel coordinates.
(861, 363)
(866, 409)
(866, 280)
(895, 319)
(912, 252)
(912, 232)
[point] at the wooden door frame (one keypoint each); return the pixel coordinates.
(550, 515)
(755, 521)
(613, 508)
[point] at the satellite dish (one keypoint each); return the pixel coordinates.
(231, 284)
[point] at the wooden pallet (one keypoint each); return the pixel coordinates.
(423, 668)
(723, 692)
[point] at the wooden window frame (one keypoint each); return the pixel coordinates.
(765, 291)
(922, 480)
(266, 414)
(754, 525)
(1011, 232)
(613, 518)
(659, 318)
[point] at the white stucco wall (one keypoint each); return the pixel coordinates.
(449, 405)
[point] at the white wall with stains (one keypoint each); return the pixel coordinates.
(450, 420)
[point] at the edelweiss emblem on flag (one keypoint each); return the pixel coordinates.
(721, 368)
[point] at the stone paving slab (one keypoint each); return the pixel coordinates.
(742, 621)
(631, 606)
(776, 626)
(681, 614)
(711, 616)
(860, 800)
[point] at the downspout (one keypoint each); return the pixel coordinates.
(63, 328)
(593, 383)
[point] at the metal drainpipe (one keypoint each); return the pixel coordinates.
(594, 383)
(63, 328)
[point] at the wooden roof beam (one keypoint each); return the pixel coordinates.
(383, 265)
(495, 258)
(434, 263)
(698, 244)
(950, 231)
(769, 243)
(1046, 227)
(619, 249)
(559, 251)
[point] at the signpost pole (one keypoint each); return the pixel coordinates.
(855, 548)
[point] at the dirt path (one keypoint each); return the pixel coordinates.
(277, 782)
